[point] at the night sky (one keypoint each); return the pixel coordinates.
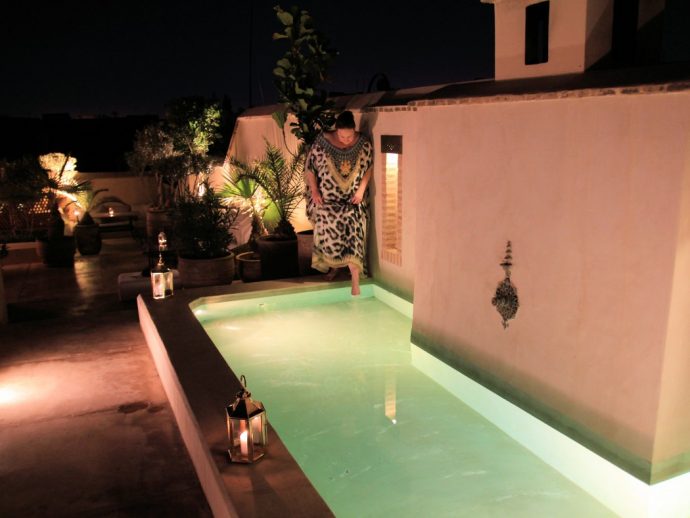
(131, 56)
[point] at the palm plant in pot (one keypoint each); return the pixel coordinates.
(59, 189)
(202, 235)
(86, 232)
(256, 211)
(281, 179)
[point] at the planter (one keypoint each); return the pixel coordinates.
(195, 273)
(278, 257)
(57, 251)
(88, 238)
(249, 266)
(305, 245)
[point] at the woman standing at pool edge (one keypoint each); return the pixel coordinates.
(337, 174)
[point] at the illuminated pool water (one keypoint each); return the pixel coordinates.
(375, 436)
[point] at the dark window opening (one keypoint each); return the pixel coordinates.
(624, 31)
(537, 33)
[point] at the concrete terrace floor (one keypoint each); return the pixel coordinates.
(85, 426)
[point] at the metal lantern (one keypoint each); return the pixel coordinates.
(246, 427)
(161, 275)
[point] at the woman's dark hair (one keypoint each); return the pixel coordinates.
(345, 120)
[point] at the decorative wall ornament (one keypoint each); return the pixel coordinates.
(506, 298)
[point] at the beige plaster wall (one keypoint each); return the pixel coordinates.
(397, 277)
(673, 423)
(589, 191)
(137, 191)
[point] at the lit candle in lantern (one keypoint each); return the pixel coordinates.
(111, 212)
(244, 450)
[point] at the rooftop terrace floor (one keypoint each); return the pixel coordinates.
(85, 426)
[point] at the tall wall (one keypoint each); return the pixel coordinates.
(398, 277)
(593, 194)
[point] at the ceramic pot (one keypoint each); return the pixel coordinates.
(195, 273)
(278, 257)
(249, 266)
(88, 238)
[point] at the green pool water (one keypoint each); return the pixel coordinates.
(375, 436)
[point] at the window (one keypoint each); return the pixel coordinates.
(537, 33)
(391, 246)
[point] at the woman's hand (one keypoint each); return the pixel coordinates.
(316, 197)
(357, 197)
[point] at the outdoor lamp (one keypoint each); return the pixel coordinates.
(246, 427)
(161, 275)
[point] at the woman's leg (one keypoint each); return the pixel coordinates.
(332, 273)
(354, 271)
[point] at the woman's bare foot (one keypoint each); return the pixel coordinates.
(354, 272)
(331, 274)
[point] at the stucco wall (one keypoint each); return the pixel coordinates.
(590, 191)
(397, 277)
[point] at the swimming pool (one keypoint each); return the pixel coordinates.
(373, 434)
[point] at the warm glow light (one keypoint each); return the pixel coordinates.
(9, 395)
(244, 450)
(391, 160)
(390, 403)
(202, 190)
(111, 212)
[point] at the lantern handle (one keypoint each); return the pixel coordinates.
(244, 393)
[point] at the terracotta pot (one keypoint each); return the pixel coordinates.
(195, 273)
(88, 238)
(278, 257)
(249, 266)
(305, 245)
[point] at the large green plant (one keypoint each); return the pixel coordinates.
(177, 149)
(300, 73)
(202, 226)
(281, 179)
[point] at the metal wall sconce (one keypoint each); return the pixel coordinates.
(161, 275)
(246, 420)
(506, 298)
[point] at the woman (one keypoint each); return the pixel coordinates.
(337, 174)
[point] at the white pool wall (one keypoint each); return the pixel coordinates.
(618, 490)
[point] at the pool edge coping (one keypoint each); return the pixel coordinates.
(199, 385)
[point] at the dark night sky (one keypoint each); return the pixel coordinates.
(131, 56)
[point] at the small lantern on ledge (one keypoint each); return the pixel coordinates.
(111, 212)
(161, 275)
(246, 427)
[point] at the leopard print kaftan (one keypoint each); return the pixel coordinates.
(340, 227)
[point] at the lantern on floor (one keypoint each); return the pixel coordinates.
(246, 427)
(161, 275)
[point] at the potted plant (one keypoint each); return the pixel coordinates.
(202, 235)
(60, 187)
(86, 232)
(281, 179)
(256, 210)
(175, 153)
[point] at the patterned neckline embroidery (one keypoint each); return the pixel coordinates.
(343, 162)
